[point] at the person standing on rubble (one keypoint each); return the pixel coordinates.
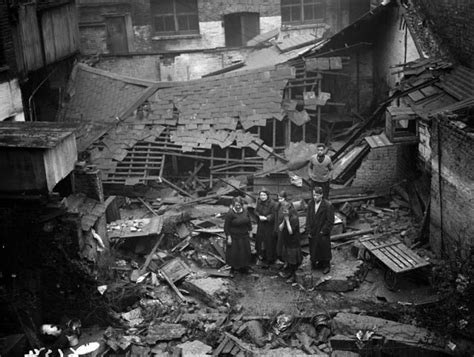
(319, 223)
(320, 170)
(237, 229)
(265, 238)
(289, 228)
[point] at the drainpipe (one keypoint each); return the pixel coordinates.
(30, 99)
(441, 223)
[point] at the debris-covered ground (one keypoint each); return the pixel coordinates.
(168, 292)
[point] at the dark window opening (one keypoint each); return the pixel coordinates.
(302, 11)
(240, 28)
(173, 17)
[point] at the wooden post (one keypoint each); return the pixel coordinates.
(318, 137)
(211, 176)
(274, 133)
(226, 159)
(358, 80)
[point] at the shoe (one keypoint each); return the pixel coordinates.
(326, 270)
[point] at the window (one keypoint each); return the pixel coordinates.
(302, 11)
(240, 28)
(172, 17)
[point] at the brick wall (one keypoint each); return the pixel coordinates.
(383, 166)
(452, 195)
(453, 21)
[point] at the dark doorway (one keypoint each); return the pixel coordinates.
(240, 28)
(116, 34)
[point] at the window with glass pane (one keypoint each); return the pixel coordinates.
(175, 16)
(301, 11)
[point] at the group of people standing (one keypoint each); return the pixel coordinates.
(278, 238)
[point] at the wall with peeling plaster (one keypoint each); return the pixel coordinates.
(452, 194)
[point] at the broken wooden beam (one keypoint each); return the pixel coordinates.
(148, 206)
(150, 255)
(344, 236)
(172, 185)
(171, 284)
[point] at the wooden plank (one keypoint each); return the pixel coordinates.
(171, 284)
(388, 254)
(150, 255)
(383, 246)
(228, 347)
(417, 260)
(403, 255)
(148, 206)
(387, 261)
(176, 269)
(235, 350)
(408, 265)
(221, 346)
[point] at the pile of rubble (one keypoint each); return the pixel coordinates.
(169, 291)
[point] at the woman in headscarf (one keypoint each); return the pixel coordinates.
(237, 228)
(289, 229)
(265, 240)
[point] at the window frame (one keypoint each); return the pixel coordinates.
(301, 7)
(176, 17)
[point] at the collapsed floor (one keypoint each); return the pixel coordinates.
(165, 289)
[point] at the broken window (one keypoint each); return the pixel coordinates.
(240, 28)
(172, 17)
(302, 11)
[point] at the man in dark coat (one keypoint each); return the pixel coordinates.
(319, 223)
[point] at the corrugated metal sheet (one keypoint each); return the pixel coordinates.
(376, 141)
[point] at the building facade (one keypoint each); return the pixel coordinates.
(182, 40)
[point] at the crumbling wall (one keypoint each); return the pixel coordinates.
(453, 21)
(141, 67)
(452, 188)
(181, 67)
(384, 166)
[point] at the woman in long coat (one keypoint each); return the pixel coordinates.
(237, 228)
(289, 228)
(265, 237)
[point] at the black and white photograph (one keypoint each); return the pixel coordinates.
(191, 178)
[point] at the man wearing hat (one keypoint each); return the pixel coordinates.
(319, 223)
(320, 170)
